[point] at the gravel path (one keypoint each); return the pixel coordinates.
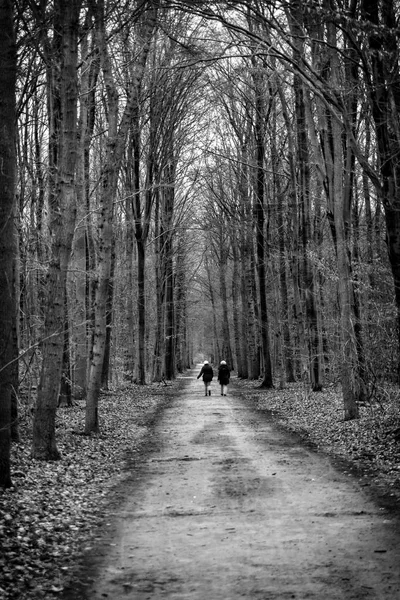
(226, 506)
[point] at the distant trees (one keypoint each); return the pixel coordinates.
(382, 75)
(320, 179)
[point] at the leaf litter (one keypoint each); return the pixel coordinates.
(369, 444)
(48, 519)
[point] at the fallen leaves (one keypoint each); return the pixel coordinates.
(370, 442)
(50, 515)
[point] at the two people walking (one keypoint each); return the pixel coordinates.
(208, 374)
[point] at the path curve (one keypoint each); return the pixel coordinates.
(227, 506)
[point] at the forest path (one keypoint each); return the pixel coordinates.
(226, 506)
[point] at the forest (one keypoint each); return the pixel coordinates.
(185, 180)
(191, 179)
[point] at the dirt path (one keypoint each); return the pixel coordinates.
(228, 507)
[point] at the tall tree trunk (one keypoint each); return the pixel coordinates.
(141, 211)
(349, 362)
(370, 242)
(106, 374)
(8, 249)
(181, 307)
(216, 346)
(62, 222)
(350, 375)
(303, 180)
(304, 203)
(169, 321)
(225, 329)
(141, 308)
(65, 396)
(108, 185)
(131, 263)
(286, 341)
(253, 333)
(158, 363)
(236, 280)
(350, 200)
(245, 234)
(168, 216)
(259, 218)
(245, 314)
(284, 295)
(82, 244)
(299, 363)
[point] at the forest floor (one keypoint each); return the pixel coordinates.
(57, 514)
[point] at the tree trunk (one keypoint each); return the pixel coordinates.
(284, 311)
(141, 308)
(239, 350)
(303, 197)
(158, 363)
(106, 374)
(349, 360)
(225, 329)
(169, 319)
(260, 124)
(216, 347)
(108, 183)
(260, 240)
(82, 257)
(252, 334)
(244, 315)
(8, 249)
(65, 396)
(168, 215)
(181, 307)
(62, 223)
(131, 301)
(141, 211)
(245, 234)
(283, 234)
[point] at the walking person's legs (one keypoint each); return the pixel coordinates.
(224, 390)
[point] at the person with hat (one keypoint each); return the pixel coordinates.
(224, 374)
(207, 373)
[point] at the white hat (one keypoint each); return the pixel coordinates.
(223, 362)
(206, 362)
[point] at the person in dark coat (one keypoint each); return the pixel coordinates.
(208, 374)
(224, 374)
